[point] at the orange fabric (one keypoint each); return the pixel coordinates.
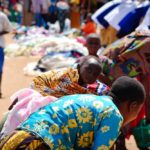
(75, 19)
(89, 28)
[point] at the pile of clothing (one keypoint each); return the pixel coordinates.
(38, 41)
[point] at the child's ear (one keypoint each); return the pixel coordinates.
(133, 106)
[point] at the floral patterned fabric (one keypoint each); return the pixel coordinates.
(22, 140)
(130, 56)
(81, 121)
(59, 82)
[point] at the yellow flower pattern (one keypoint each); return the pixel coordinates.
(111, 142)
(105, 129)
(54, 129)
(54, 115)
(103, 147)
(120, 124)
(49, 142)
(84, 115)
(69, 111)
(72, 123)
(61, 146)
(106, 114)
(86, 140)
(64, 130)
(97, 104)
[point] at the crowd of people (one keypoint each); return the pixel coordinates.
(88, 104)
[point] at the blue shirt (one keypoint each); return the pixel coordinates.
(81, 121)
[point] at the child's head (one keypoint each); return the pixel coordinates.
(129, 95)
(89, 68)
(93, 44)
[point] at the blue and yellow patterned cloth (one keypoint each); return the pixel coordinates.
(81, 121)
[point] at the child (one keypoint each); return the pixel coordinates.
(93, 44)
(70, 80)
(80, 121)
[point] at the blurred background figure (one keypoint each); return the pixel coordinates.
(89, 26)
(5, 27)
(18, 7)
(36, 9)
(45, 4)
(63, 12)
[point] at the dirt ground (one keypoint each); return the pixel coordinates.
(14, 79)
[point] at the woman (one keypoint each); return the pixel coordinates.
(126, 60)
(80, 121)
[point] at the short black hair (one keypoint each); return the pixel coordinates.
(85, 59)
(128, 89)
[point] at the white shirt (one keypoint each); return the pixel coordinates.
(4, 26)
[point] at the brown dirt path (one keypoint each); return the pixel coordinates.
(14, 79)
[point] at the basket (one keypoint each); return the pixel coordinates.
(142, 134)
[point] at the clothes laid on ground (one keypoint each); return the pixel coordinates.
(38, 41)
(75, 121)
(55, 60)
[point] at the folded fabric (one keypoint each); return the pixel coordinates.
(29, 101)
